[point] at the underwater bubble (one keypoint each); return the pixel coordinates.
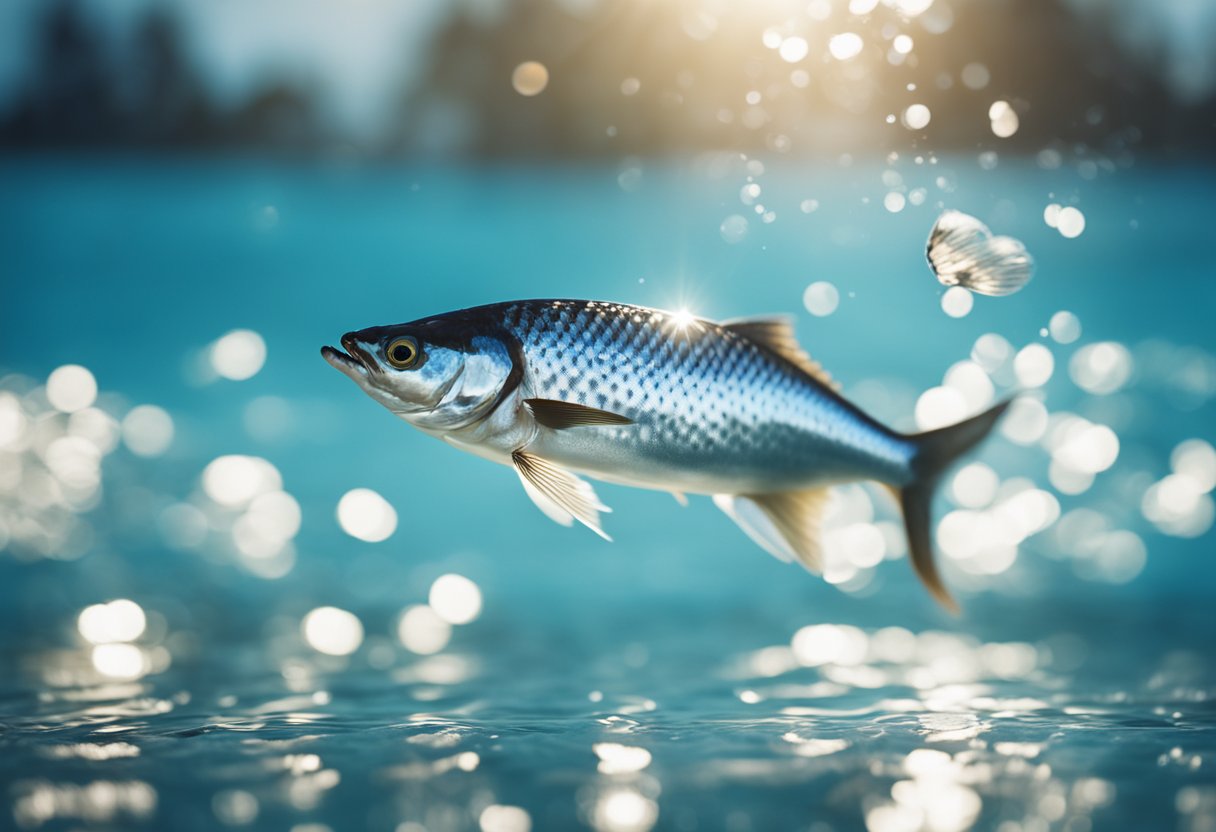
(991, 351)
(332, 631)
(793, 50)
(1118, 557)
(963, 252)
(975, 76)
(500, 818)
(364, 514)
(969, 378)
(749, 193)
(1025, 421)
(630, 86)
(1004, 119)
(455, 599)
(974, 485)
(734, 228)
(13, 421)
(1070, 222)
(809, 206)
(1049, 159)
(1081, 445)
(147, 430)
(70, 388)
(1064, 327)
(96, 427)
(117, 621)
(957, 302)
(860, 7)
(938, 407)
(821, 298)
(894, 202)
(233, 480)
(530, 78)
(1102, 368)
(910, 8)
(916, 117)
(988, 160)
(1195, 459)
(275, 515)
(421, 630)
(845, 45)
(1034, 365)
(74, 462)
(238, 355)
(1066, 480)
(1178, 506)
(902, 44)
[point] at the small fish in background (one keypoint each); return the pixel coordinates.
(658, 400)
(963, 252)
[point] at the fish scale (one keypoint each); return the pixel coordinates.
(711, 406)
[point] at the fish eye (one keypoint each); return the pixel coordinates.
(402, 353)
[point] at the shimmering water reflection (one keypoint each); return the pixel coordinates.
(843, 727)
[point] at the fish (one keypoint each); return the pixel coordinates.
(962, 251)
(565, 391)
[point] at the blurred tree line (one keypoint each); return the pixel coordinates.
(637, 78)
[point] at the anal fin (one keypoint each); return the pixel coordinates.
(786, 524)
(561, 495)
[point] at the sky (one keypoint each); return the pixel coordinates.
(356, 52)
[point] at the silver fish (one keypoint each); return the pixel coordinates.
(654, 399)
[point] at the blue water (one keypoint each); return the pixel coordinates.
(1060, 699)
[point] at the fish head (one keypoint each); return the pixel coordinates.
(438, 374)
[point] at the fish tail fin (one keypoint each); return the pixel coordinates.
(936, 451)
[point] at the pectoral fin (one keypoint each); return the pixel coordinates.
(561, 495)
(786, 524)
(560, 415)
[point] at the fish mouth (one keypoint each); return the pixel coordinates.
(354, 361)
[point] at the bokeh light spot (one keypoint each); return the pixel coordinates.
(530, 78)
(455, 599)
(364, 514)
(332, 631)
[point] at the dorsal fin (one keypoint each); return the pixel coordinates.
(776, 334)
